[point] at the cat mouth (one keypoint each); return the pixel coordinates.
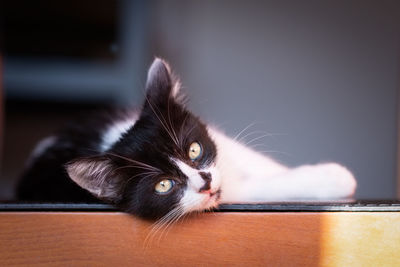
(211, 201)
(214, 198)
(216, 194)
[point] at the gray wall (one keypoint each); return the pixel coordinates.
(320, 76)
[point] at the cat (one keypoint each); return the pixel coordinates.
(161, 160)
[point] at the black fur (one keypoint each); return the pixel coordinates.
(45, 178)
(122, 182)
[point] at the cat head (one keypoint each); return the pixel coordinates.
(162, 166)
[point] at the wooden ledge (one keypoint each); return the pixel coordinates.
(217, 239)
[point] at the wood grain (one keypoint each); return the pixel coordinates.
(211, 239)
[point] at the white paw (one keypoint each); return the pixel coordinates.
(332, 180)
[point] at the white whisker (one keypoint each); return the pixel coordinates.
(249, 134)
(257, 138)
(170, 124)
(242, 131)
(134, 161)
(133, 167)
(165, 223)
(162, 123)
(156, 227)
(274, 151)
(147, 174)
(181, 129)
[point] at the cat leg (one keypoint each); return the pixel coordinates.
(314, 182)
(249, 176)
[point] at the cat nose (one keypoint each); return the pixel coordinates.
(207, 178)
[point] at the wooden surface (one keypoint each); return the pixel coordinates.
(211, 239)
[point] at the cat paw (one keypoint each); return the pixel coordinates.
(333, 181)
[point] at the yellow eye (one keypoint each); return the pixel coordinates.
(164, 186)
(195, 151)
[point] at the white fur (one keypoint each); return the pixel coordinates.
(115, 132)
(248, 176)
(43, 145)
(244, 175)
(40, 148)
(193, 199)
(152, 73)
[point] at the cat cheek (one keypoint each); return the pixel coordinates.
(194, 201)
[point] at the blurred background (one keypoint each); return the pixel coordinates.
(320, 77)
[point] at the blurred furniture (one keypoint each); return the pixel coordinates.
(78, 51)
(64, 58)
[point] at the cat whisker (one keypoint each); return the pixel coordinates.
(276, 152)
(134, 167)
(191, 129)
(187, 134)
(182, 214)
(161, 223)
(165, 223)
(158, 224)
(170, 124)
(249, 134)
(169, 217)
(257, 138)
(162, 123)
(268, 151)
(181, 129)
(133, 161)
(244, 129)
(147, 174)
(210, 210)
(167, 227)
(185, 216)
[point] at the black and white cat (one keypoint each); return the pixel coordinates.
(162, 160)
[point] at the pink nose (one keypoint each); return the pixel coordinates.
(208, 191)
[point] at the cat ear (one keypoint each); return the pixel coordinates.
(96, 175)
(161, 83)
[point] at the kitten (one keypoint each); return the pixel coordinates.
(162, 160)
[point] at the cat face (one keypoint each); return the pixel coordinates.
(163, 166)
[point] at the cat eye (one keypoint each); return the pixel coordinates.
(164, 186)
(195, 151)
